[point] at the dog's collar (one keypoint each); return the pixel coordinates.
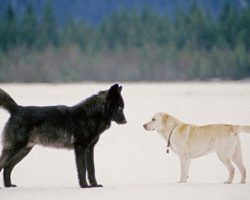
(169, 138)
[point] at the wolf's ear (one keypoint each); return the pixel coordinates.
(120, 89)
(114, 89)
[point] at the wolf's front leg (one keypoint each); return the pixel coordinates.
(91, 164)
(80, 164)
(91, 167)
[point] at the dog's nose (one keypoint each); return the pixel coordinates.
(145, 126)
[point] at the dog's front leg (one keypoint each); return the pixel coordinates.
(185, 162)
(80, 164)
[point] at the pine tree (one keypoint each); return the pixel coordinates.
(48, 28)
(229, 24)
(10, 31)
(29, 27)
(77, 33)
(180, 27)
(244, 29)
(200, 28)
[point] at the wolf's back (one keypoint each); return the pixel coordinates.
(7, 102)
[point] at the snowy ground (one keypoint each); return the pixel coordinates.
(130, 162)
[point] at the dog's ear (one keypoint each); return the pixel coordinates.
(165, 118)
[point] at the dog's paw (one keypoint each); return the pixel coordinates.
(227, 182)
(181, 182)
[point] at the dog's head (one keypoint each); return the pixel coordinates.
(158, 122)
(115, 104)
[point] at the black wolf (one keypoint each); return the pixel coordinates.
(77, 127)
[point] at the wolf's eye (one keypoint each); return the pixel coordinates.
(119, 108)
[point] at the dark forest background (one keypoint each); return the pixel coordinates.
(64, 41)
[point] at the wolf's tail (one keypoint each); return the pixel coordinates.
(238, 129)
(7, 102)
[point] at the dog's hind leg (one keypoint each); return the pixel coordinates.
(185, 162)
(237, 159)
(225, 149)
(9, 167)
(227, 162)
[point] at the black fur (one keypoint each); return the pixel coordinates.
(77, 127)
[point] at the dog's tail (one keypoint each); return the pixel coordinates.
(7, 102)
(238, 129)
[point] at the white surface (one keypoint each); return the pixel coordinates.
(130, 162)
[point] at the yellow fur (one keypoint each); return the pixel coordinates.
(190, 141)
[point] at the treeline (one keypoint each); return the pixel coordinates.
(128, 45)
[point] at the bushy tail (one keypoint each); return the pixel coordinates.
(238, 129)
(7, 102)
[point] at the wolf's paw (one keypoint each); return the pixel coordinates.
(96, 185)
(11, 185)
(85, 186)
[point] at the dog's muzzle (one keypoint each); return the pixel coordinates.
(148, 127)
(145, 126)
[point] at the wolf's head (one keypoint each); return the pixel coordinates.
(115, 104)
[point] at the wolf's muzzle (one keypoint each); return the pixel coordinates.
(124, 121)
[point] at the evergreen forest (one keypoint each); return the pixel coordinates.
(128, 45)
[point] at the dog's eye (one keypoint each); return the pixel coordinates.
(153, 119)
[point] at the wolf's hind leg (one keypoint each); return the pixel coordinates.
(6, 156)
(9, 167)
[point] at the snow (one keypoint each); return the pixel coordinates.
(130, 162)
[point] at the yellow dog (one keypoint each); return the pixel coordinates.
(191, 141)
